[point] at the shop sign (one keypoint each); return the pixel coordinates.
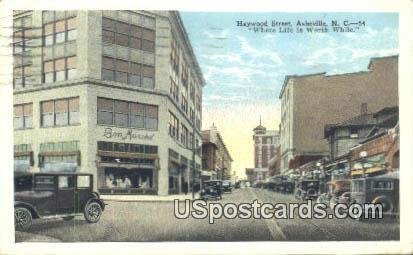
(126, 135)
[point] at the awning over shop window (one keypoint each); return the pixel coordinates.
(367, 170)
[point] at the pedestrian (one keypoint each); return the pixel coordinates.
(127, 182)
(185, 188)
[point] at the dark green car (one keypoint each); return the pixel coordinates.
(54, 195)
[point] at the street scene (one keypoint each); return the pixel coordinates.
(155, 221)
(122, 118)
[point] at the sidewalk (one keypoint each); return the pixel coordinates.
(148, 198)
(30, 237)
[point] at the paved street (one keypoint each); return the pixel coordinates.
(155, 221)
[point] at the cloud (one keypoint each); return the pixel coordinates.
(224, 58)
(261, 53)
(222, 35)
(366, 44)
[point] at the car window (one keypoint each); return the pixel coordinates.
(383, 185)
(65, 182)
(22, 183)
(83, 181)
(44, 182)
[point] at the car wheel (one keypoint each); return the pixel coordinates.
(67, 218)
(92, 212)
(386, 203)
(22, 218)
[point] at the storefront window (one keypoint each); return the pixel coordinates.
(59, 164)
(22, 164)
(122, 178)
(54, 163)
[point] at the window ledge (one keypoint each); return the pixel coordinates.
(73, 125)
(20, 129)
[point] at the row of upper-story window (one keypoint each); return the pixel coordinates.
(127, 114)
(128, 35)
(184, 77)
(54, 32)
(267, 140)
(128, 72)
(185, 107)
(181, 133)
(65, 112)
(65, 30)
(59, 112)
(53, 70)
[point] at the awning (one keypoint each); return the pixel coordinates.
(367, 170)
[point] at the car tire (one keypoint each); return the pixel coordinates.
(386, 203)
(22, 218)
(67, 218)
(92, 212)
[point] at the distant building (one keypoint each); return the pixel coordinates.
(216, 159)
(265, 144)
(309, 102)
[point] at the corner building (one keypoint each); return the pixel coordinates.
(113, 93)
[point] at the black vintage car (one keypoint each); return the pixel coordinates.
(53, 195)
(307, 189)
(211, 190)
(226, 186)
(382, 189)
(281, 184)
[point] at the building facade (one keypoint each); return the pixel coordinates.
(216, 159)
(113, 93)
(265, 146)
(274, 163)
(309, 102)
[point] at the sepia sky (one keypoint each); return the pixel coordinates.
(244, 71)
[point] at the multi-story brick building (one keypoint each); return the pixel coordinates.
(265, 145)
(114, 93)
(216, 159)
(309, 102)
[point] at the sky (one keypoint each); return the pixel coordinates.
(245, 70)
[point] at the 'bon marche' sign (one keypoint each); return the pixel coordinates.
(126, 135)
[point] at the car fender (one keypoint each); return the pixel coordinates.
(31, 208)
(381, 199)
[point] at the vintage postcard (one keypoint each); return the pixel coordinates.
(157, 126)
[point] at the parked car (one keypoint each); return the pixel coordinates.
(280, 183)
(382, 189)
(338, 192)
(307, 189)
(226, 186)
(54, 195)
(211, 190)
(237, 185)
